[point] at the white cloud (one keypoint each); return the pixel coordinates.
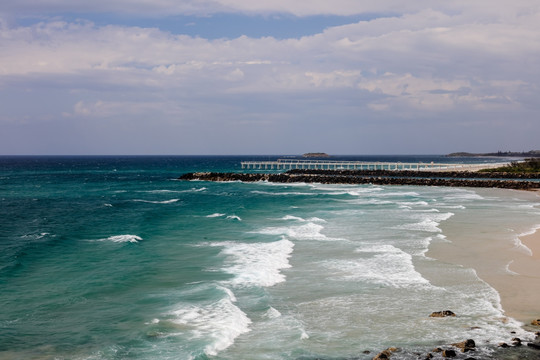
(441, 59)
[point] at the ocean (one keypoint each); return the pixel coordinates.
(114, 258)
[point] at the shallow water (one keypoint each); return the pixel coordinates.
(111, 258)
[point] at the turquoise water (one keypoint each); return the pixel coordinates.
(113, 258)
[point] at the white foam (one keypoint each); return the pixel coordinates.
(519, 246)
(381, 264)
(285, 193)
(257, 264)
(345, 189)
(272, 313)
(215, 215)
(414, 203)
(234, 217)
(534, 229)
(430, 222)
(296, 218)
(157, 202)
(462, 195)
(291, 217)
(35, 236)
(221, 321)
(123, 238)
(507, 268)
(306, 231)
(404, 193)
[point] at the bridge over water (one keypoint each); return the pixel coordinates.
(289, 164)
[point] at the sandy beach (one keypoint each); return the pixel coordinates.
(501, 249)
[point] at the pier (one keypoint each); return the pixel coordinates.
(289, 164)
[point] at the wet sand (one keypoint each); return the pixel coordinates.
(491, 242)
(532, 241)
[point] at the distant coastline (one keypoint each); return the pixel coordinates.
(528, 154)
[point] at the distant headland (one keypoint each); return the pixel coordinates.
(532, 153)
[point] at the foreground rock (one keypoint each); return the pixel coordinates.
(385, 354)
(444, 313)
(465, 346)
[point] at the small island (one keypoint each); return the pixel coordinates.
(316, 155)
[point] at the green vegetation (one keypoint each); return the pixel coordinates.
(527, 166)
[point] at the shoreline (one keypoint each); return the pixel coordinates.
(499, 256)
(532, 241)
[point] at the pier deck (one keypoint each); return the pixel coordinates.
(289, 164)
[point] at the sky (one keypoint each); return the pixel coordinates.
(187, 77)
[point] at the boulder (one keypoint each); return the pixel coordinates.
(444, 313)
(467, 345)
(449, 353)
(516, 341)
(536, 322)
(385, 354)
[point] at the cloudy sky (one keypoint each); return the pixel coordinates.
(269, 76)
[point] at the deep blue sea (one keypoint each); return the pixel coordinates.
(114, 258)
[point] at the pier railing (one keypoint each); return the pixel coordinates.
(289, 164)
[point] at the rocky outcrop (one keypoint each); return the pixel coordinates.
(357, 179)
(465, 346)
(449, 353)
(420, 174)
(385, 354)
(444, 313)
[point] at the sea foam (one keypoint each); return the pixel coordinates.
(306, 231)
(221, 322)
(257, 264)
(157, 202)
(382, 264)
(123, 238)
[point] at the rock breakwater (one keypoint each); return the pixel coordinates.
(362, 177)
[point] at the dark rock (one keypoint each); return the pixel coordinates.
(503, 345)
(385, 354)
(449, 353)
(467, 345)
(356, 177)
(437, 350)
(429, 356)
(534, 345)
(516, 341)
(536, 322)
(444, 313)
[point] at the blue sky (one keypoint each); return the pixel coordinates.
(268, 77)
